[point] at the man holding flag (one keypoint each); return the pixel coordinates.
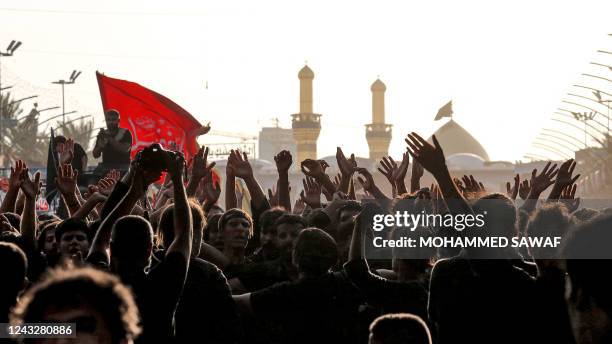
(114, 144)
(148, 117)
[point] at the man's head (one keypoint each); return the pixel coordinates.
(112, 119)
(131, 243)
(71, 238)
(166, 226)
(13, 269)
(211, 230)
(588, 297)
(550, 220)
(500, 215)
(102, 308)
(235, 228)
(214, 210)
(402, 328)
(46, 238)
(288, 227)
(267, 220)
(315, 252)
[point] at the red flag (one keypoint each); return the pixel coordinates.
(149, 116)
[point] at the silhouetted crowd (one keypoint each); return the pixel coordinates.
(168, 264)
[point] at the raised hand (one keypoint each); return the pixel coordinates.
(473, 188)
(105, 186)
(114, 175)
(176, 164)
(240, 165)
(211, 190)
(311, 195)
(201, 167)
(15, 177)
(65, 151)
(400, 173)
(540, 182)
(367, 182)
(66, 179)
(564, 176)
(568, 198)
(512, 191)
(30, 187)
(283, 161)
(273, 196)
(431, 157)
(346, 166)
(524, 189)
(298, 206)
(388, 169)
(312, 168)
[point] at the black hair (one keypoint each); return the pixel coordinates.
(587, 250)
(315, 252)
(400, 328)
(166, 226)
(131, 238)
(70, 225)
(234, 213)
(75, 288)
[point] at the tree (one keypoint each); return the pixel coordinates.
(81, 132)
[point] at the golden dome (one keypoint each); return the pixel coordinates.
(456, 140)
(306, 73)
(378, 86)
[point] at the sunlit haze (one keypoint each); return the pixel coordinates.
(507, 65)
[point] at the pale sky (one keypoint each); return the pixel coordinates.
(507, 65)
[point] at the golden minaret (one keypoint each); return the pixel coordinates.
(306, 124)
(378, 133)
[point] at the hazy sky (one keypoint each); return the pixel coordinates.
(507, 65)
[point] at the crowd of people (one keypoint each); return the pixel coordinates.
(181, 268)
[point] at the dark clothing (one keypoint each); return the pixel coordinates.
(389, 296)
(206, 309)
(256, 276)
(483, 301)
(112, 156)
(313, 310)
(77, 162)
(157, 294)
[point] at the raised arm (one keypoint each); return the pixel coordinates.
(388, 168)
(539, 183)
(183, 225)
(230, 185)
(67, 186)
(415, 176)
(30, 189)
(200, 168)
(347, 168)
(8, 203)
(368, 184)
(242, 169)
(283, 163)
(139, 182)
(564, 178)
(431, 157)
(89, 205)
(315, 169)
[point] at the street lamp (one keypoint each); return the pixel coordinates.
(63, 82)
(9, 52)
